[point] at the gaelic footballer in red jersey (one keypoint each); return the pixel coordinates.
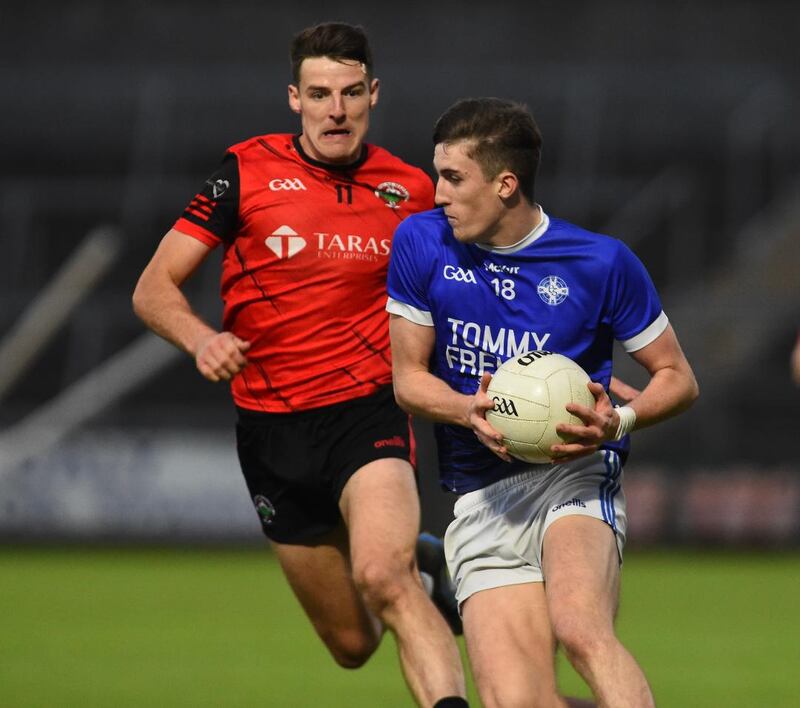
(304, 270)
(306, 225)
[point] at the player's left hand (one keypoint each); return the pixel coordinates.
(599, 425)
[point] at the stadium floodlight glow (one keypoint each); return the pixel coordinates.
(53, 306)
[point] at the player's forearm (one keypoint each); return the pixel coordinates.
(425, 395)
(166, 311)
(669, 392)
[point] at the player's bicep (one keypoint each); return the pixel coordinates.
(176, 258)
(412, 346)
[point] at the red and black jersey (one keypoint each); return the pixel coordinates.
(304, 270)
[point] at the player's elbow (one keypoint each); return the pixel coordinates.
(142, 298)
(694, 390)
(402, 399)
(139, 300)
(691, 390)
(402, 392)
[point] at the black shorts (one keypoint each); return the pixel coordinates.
(296, 464)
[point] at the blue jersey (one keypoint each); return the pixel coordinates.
(561, 288)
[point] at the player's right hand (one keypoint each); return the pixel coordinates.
(479, 404)
(221, 356)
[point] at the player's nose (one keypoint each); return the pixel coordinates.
(440, 196)
(337, 108)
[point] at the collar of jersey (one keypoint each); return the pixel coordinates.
(537, 233)
(349, 167)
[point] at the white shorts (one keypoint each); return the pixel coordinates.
(496, 536)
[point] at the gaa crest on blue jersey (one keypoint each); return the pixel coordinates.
(552, 290)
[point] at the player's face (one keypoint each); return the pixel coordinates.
(471, 203)
(334, 99)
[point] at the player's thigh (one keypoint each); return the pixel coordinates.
(581, 564)
(321, 579)
(380, 505)
(511, 645)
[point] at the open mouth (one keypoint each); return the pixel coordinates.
(336, 132)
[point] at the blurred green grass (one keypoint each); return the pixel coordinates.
(137, 627)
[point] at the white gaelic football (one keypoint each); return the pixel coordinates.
(530, 393)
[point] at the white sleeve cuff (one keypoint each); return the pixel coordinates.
(420, 317)
(647, 335)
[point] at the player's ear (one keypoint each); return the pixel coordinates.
(507, 184)
(294, 98)
(374, 90)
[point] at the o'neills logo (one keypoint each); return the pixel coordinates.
(396, 441)
(571, 502)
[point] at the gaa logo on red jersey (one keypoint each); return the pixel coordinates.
(285, 242)
(278, 184)
(392, 193)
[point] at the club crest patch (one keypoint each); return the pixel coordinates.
(552, 290)
(265, 509)
(392, 193)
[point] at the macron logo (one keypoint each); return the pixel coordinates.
(396, 441)
(285, 242)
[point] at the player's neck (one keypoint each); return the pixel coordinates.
(517, 225)
(307, 152)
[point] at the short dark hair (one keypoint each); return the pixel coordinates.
(335, 40)
(504, 136)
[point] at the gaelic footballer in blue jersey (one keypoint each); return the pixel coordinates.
(485, 276)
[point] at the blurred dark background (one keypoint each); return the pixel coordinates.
(673, 126)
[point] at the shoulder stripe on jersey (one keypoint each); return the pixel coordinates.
(201, 207)
(420, 317)
(647, 335)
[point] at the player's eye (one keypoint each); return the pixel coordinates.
(357, 91)
(317, 95)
